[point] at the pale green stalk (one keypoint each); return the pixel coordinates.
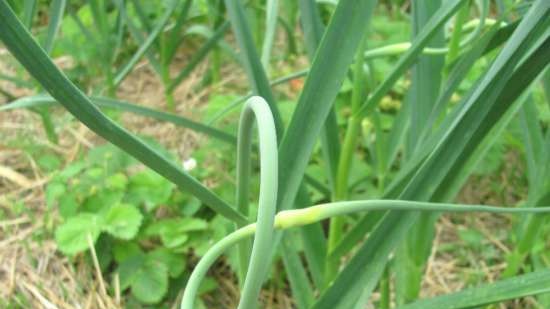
(257, 108)
(399, 48)
(271, 25)
(231, 106)
(346, 158)
(299, 217)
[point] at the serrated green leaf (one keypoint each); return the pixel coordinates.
(72, 236)
(123, 221)
(174, 232)
(54, 191)
(174, 262)
(99, 199)
(125, 249)
(148, 188)
(150, 281)
(117, 181)
(68, 204)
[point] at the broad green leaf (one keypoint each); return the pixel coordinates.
(148, 188)
(174, 262)
(147, 277)
(96, 200)
(117, 181)
(72, 236)
(175, 232)
(68, 205)
(150, 282)
(122, 221)
(54, 191)
(124, 250)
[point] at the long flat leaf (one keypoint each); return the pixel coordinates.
(425, 85)
(327, 72)
(313, 31)
(272, 11)
(57, 8)
(199, 55)
(45, 100)
(146, 44)
(476, 297)
(138, 37)
(253, 65)
(21, 44)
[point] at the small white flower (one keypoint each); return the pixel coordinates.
(189, 164)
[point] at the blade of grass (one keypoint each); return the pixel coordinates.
(299, 282)
(330, 141)
(456, 76)
(476, 297)
(327, 72)
(233, 105)
(315, 248)
(253, 66)
(85, 31)
(119, 37)
(174, 39)
(46, 100)
(272, 10)
(29, 10)
(426, 78)
(537, 151)
(207, 33)
(454, 43)
(57, 8)
(99, 15)
(21, 44)
(17, 81)
(199, 55)
(137, 35)
(126, 69)
(143, 18)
